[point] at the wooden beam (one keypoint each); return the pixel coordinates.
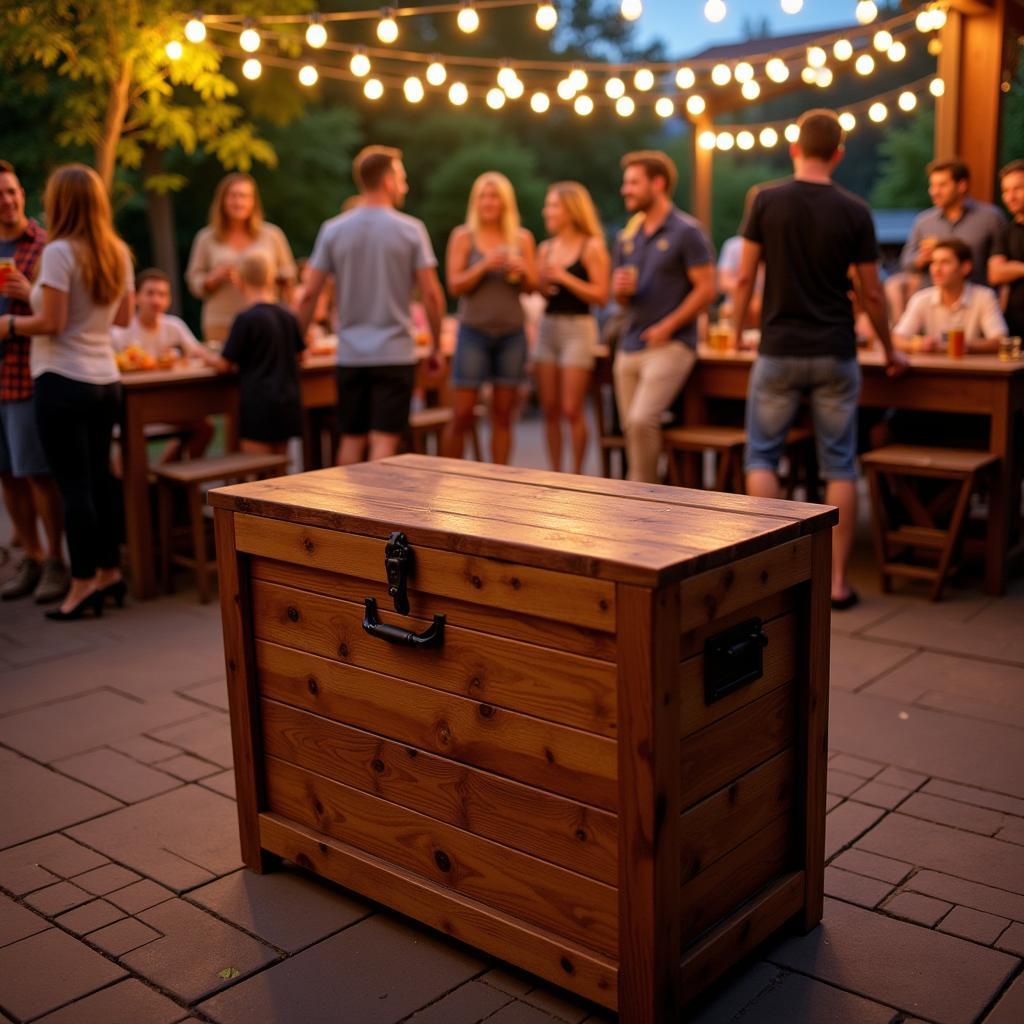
(703, 164)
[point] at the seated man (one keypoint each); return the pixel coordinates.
(952, 303)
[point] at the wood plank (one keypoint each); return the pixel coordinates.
(715, 756)
(562, 636)
(712, 828)
(557, 687)
(711, 595)
(740, 934)
(692, 641)
(236, 619)
(731, 880)
(528, 819)
(534, 949)
(779, 663)
(547, 595)
(649, 804)
(550, 897)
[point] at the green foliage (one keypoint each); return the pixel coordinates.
(903, 154)
(1013, 119)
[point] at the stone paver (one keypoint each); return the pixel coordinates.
(288, 909)
(1010, 1008)
(89, 917)
(881, 959)
(197, 954)
(390, 971)
(468, 1004)
(1012, 831)
(181, 839)
(953, 813)
(865, 892)
(143, 749)
(872, 866)
(1012, 940)
(901, 779)
(800, 998)
(123, 937)
(968, 894)
(116, 774)
(17, 923)
(920, 909)
(106, 879)
(878, 794)
(727, 1000)
(44, 861)
(973, 925)
(140, 896)
(223, 783)
(856, 661)
(45, 971)
(975, 797)
(846, 823)
(208, 737)
(188, 768)
(127, 1002)
(556, 1004)
(842, 783)
(55, 899)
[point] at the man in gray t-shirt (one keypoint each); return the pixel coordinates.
(379, 259)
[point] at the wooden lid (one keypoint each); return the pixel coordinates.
(632, 533)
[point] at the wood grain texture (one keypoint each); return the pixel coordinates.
(563, 688)
(649, 805)
(534, 949)
(564, 902)
(560, 636)
(692, 641)
(523, 817)
(547, 595)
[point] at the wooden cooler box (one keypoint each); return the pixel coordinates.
(577, 723)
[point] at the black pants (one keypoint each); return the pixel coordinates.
(75, 422)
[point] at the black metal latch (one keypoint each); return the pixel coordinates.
(398, 566)
(733, 658)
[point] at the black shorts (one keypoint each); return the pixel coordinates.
(374, 398)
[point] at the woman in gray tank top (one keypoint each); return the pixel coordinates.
(490, 263)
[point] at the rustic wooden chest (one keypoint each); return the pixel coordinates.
(579, 724)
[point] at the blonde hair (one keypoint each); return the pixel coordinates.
(510, 222)
(254, 269)
(579, 208)
(218, 217)
(77, 208)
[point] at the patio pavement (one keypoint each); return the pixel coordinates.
(122, 900)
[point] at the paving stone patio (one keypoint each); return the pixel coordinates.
(123, 901)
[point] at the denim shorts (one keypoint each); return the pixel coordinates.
(831, 387)
(480, 358)
(21, 450)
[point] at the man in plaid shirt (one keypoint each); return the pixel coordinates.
(29, 490)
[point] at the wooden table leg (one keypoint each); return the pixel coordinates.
(137, 525)
(1002, 500)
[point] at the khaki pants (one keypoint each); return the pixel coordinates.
(646, 384)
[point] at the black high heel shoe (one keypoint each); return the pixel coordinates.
(93, 601)
(115, 591)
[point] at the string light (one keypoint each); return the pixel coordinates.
(938, 18)
(685, 78)
(743, 72)
(808, 75)
(714, 11)
(540, 103)
(252, 69)
(937, 87)
(546, 19)
(724, 141)
(249, 40)
(866, 12)
(515, 90)
(437, 73)
(792, 132)
(751, 90)
(359, 65)
(373, 89)
(896, 52)
(695, 105)
(664, 107)
(316, 34)
(644, 80)
(614, 88)
(468, 21)
(865, 64)
(413, 89)
(624, 106)
(768, 137)
(930, 20)
(584, 106)
(495, 98)
(721, 74)
(308, 75)
(878, 112)
(387, 30)
(631, 9)
(816, 57)
(706, 140)
(745, 140)
(842, 49)
(792, 6)
(565, 90)
(195, 30)
(578, 79)
(174, 50)
(847, 121)
(907, 101)
(506, 77)
(458, 94)
(882, 40)
(777, 70)
(823, 78)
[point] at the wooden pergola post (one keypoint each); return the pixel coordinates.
(703, 162)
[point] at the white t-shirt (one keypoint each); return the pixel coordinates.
(170, 332)
(83, 351)
(976, 313)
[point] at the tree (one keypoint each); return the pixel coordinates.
(903, 154)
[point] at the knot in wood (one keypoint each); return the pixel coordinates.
(603, 604)
(476, 581)
(377, 764)
(486, 711)
(566, 965)
(308, 545)
(342, 650)
(313, 686)
(514, 583)
(293, 613)
(442, 860)
(303, 861)
(444, 734)
(581, 835)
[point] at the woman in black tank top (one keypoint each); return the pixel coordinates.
(574, 267)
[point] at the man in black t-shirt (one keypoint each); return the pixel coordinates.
(1006, 264)
(810, 233)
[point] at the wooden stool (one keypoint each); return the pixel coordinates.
(191, 475)
(425, 424)
(907, 524)
(609, 436)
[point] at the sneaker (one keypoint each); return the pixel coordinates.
(53, 582)
(23, 582)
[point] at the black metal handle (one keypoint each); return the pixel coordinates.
(432, 636)
(733, 659)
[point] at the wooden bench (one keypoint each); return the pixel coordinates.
(190, 476)
(918, 535)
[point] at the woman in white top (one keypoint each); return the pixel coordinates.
(236, 228)
(84, 287)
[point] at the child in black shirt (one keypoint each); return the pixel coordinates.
(263, 346)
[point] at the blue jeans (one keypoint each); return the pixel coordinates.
(480, 358)
(831, 386)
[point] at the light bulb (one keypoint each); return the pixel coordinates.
(695, 105)
(768, 137)
(308, 75)
(174, 50)
(316, 35)
(923, 21)
(907, 101)
(792, 6)
(896, 52)
(540, 102)
(685, 78)
(515, 89)
(937, 87)
(631, 9)
(614, 88)
(507, 77)
(721, 74)
(751, 90)
(823, 78)
(458, 94)
(865, 64)
(743, 72)
(724, 141)
(866, 12)
(745, 140)
(565, 90)
(249, 40)
(584, 106)
(413, 89)
(387, 30)
(359, 65)
(808, 75)
(495, 98)
(468, 21)
(578, 79)
(546, 19)
(714, 10)
(624, 106)
(847, 121)
(706, 140)
(437, 74)
(644, 80)
(195, 30)
(664, 107)
(934, 46)
(816, 57)
(777, 70)
(252, 69)
(938, 19)
(792, 132)
(878, 112)
(842, 49)
(882, 40)
(373, 89)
